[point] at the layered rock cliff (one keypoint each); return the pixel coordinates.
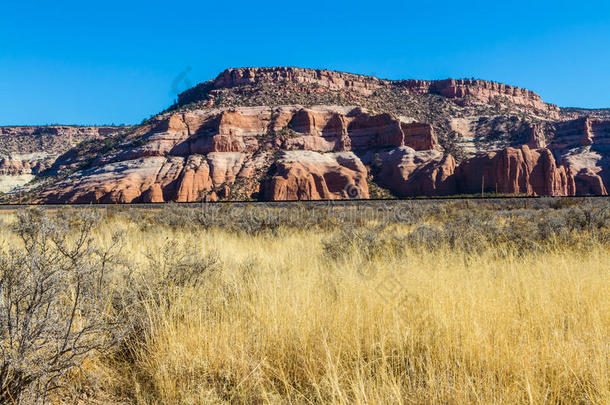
(584, 146)
(203, 154)
(27, 151)
(319, 80)
(295, 134)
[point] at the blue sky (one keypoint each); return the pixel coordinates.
(115, 61)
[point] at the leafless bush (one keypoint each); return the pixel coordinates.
(426, 237)
(54, 296)
(167, 271)
(588, 218)
(369, 242)
(468, 231)
(562, 202)
(180, 265)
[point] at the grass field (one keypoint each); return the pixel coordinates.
(444, 302)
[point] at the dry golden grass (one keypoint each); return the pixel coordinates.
(281, 323)
(278, 322)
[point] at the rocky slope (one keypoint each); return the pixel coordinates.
(27, 151)
(291, 134)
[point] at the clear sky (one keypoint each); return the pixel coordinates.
(118, 61)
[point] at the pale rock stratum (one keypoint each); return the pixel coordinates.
(301, 134)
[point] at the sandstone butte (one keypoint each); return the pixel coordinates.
(303, 134)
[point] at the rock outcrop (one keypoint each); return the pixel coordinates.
(306, 175)
(482, 91)
(585, 131)
(154, 179)
(407, 172)
(515, 171)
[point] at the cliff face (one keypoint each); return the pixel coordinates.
(295, 134)
(584, 146)
(463, 90)
(296, 153)
(480, 90)
(322, 78)
(516, 171)
(211, 154)
(307, 175)
(27, 151)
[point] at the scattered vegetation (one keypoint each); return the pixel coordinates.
(507, 122)
(42, 138)
(491, 301)
(603, 113)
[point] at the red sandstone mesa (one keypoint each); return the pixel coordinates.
(301, 134)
